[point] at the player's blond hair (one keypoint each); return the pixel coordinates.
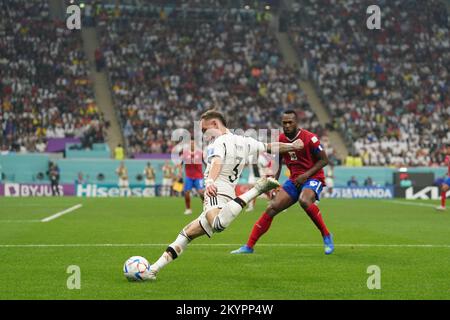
(214, 114)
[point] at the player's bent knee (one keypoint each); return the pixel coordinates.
(305, 202)
(193, 230)
(272, 210)
(218, 226)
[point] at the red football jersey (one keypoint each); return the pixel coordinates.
(193, 163)
(300, 161)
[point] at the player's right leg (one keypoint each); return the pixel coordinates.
(444, 188)
(282, 201)
(190, 232)
(219, 212)
(187, 201)
(188, 184)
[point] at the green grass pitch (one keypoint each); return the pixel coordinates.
(410, 244)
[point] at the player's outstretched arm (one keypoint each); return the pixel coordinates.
(281, 147)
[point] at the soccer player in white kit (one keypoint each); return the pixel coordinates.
(226, 158)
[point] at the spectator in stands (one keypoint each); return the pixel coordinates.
(352, 182)
(164, 74)
(45, 89)
(99, 60)
(387, 90)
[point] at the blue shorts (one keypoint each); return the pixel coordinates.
(447, 181)
(193, 183)
(294, 192)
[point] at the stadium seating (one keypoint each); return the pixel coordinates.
(387, 90)
(44, 85)
(165, 71)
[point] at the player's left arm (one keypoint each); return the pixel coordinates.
(216, 155)
(213, 174)
(281, 147)
(280, 166)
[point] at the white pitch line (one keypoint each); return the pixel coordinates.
(59, 214)
(368, 245)
(419, 204)
(19, 221)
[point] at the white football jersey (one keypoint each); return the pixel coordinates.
(235, 151)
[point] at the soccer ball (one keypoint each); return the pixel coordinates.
(135, 267)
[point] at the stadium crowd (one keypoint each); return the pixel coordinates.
(44, 85)
(165, 72)
(388, 89)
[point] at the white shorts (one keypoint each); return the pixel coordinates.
(167, 182)
(225, 193)
(149, 182)
(123, 183)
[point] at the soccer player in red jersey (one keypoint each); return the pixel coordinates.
(445, 185)
(193, 164)
(304, 184)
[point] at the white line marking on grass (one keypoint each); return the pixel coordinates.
(102, 245)
(15, 205)
(20, 221)
(419, 204)
(59, 214)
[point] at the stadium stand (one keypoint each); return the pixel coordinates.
(167, 67)
(388, 89)
(44, 85)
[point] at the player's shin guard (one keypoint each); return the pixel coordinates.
(443, 198)
(313, 212)
(172, 252)
(261, 226)
(228, 213)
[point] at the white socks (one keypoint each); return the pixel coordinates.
(228, 213)
(232, 209)
(175, 249)
(249, 195)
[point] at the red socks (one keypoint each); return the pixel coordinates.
(261, 226)
(443, 196)
(313, 212)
